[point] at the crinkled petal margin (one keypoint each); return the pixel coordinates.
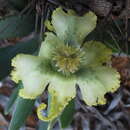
(70, 27)
(61, 93)
(28, 69)
(55, 108)
(14, 74)
(96, 82)
(109, 77)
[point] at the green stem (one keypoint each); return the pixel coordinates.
(60, 124)
(51, 124)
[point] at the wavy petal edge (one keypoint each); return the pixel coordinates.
(52, 113)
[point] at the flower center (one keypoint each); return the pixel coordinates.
(67, 59)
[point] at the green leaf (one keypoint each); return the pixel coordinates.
(6, 54)
(16, 26)
(18, 4)
(23, 109)
(67, 115)
(13, 98)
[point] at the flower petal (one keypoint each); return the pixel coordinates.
(95, 83)
(49, 44)
(61, 91)
(49, 26)
(72, 28)
(28, 69)
(91, 88)
(96, 53)
(64, 86)
(86, 24)
(109, 77)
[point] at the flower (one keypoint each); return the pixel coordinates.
(62, 63)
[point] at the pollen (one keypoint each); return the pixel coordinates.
(67, 59)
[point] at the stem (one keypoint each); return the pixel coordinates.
(60, 125)
(51, 124)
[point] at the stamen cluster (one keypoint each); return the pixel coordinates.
(67, 59)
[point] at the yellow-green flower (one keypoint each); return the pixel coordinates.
(62, 64)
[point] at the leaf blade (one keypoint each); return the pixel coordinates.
(12, 99)
(68, 112)
(23, 109)
(16, 26)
